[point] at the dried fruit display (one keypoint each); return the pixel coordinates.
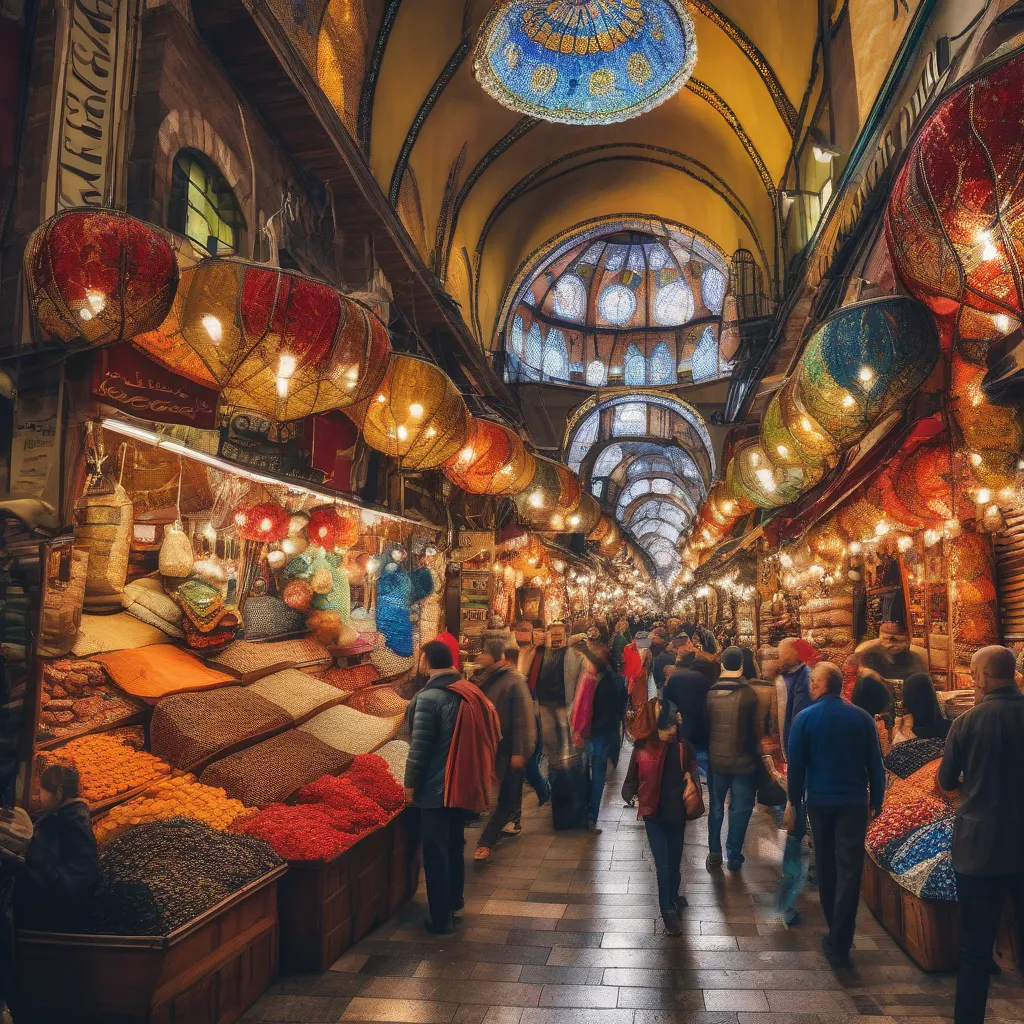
(76, 697)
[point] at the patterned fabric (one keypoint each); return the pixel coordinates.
(895, 822)
(585, 61)
(906, 758)
(922, 844)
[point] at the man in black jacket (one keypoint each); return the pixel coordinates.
(431, 718)
(688, 690)
(986, 747)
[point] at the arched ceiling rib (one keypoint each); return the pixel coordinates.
(710, 156)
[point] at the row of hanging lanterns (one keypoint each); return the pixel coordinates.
(280, 344)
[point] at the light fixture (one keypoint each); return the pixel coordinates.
(984, 496)
(782, 450)
(976, 459)
(767, 479)
(382, 398)
(988, 250)
(372, 566)
(952, 528)
(848, 401)
(1002, 323)
(856, 547)
(573, 520)
(416, 410)
(866, 375)
(881, 528)
(213, 328)
(466, 455)
(536, 499)
(905, 543)
(786, 560)
(931, 538)
(403, 432)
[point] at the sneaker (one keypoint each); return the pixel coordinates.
(593, 827)
(680, 903)
(714, 862)
(482, 853)
(734, 864)
(512, 828)
(672, 926)
(439, 929)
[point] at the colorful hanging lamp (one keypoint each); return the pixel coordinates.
(552, 495)
(417, 415)
(492, 461)
(585, 62)
(95, 277)
(955, 220)
(270, 340)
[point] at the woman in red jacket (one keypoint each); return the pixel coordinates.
(657, 772)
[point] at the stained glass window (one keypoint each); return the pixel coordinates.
(571, 297)
(203, 207)
(704, 363)
(516, 336)
(597, 373)
(533, 353)
(673, 305)
(597, 488)
(636, 260)
(616, 257)
(661, 485)
(630, 420)
(617, 304)
(636, 367)
(663, 366)
(608, 460)
(712, 288)
(585, 437)
(658, 257)
(556, 356)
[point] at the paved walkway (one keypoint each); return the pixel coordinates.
(563, 928)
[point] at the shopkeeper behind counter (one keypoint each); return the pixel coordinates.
(62, 861)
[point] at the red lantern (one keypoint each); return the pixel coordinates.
(99, 276)
(955, 220)
(264, 522)
(492, 461)
(271, 340)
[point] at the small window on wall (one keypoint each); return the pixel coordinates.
(203, 207)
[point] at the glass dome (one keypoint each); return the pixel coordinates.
(626, 308)
(585, 61)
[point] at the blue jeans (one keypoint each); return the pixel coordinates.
(702, 763)
(666, 840)
(744, 793)
(533, 775)
(597, 752)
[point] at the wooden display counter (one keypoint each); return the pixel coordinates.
(209, 971)
(325, 907)
(927, 930)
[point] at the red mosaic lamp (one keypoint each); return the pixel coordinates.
(492, 461)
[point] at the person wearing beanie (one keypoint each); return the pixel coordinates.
(734, 753)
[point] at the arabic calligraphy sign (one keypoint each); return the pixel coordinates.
(96, 68)
(127, 380)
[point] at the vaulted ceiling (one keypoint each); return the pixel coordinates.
(481, 188)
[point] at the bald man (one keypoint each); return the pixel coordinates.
(985, 747)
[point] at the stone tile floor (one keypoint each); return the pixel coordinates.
(564, 928)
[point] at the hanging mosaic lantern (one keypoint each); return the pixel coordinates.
(927, 483)
(863, 362)
(955, 220)
(858, 519)
(827, 541)
(270, 340)
(552, 494)
(95, 277)
(602, 529)
(581, 62)
(883, 494)
(765, 482)
(492, 461)
(586, 515)
(791, 434)
(417, 415)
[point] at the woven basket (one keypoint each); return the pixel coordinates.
(62, 609)
(103, 522)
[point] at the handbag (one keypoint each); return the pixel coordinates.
(693, 799)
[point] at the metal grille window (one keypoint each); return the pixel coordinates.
(203, 207)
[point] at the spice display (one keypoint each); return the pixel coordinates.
(181, 796)
(296, 693)
(76, 697)
(161, 875)
(271, 771)
(359, 812)
(243, 656)
(396, 753)
(380, 701)
(109, 764)
(371, 775)
(300, 832)
(344, 728)
(154, 672)
(188, 729)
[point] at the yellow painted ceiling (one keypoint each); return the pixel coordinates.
(709, 158)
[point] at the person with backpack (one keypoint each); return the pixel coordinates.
(453, 737)
(506, 689)
(663, 778)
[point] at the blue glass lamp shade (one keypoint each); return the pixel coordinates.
(585, 61)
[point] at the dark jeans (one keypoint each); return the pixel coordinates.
(980, 902)
(744, 794)
(666, 839)
(444, 867)
(597, 752)
(839, 834)
(510, 800)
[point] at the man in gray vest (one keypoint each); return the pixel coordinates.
(734, 758)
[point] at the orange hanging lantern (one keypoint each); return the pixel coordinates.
(270, 340)
(586, 515)
(98, 276)
(492, 461)
(417, 415)
(955, 219)
(602, 528)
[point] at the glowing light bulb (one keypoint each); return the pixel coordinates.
(755, 459)
(806, 423)
(1002, 323)
(976, 459)
(403, 432)
(466, 455)
(1006, 494)
(506, 470)
(372, 566)
(286, 365)
(430, 432)
(856, 547)
(536, 499)
(984, 496)
(848, 401)
(266, 525)
(988, 250)
(882, 528)
(866, 375)
(573, 520)
(728, 505)
(382, 399)
(416, 410)
(931, 538)
(96, 303)
(904, 543)
(952, 528)
(782, 450)
(213, 328)
(786, 560)
(767, 479)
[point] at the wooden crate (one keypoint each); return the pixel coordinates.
(930, 933)
(209, 971)
(890, 905)
(326, 907)
(870, 885)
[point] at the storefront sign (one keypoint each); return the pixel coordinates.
(127, 380)
(96, 69)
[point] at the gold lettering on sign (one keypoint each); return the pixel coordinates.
(94, 94)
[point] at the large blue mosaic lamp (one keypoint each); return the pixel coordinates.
(585, 61)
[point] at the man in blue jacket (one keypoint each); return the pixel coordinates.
(797, 677)
(834, 760)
